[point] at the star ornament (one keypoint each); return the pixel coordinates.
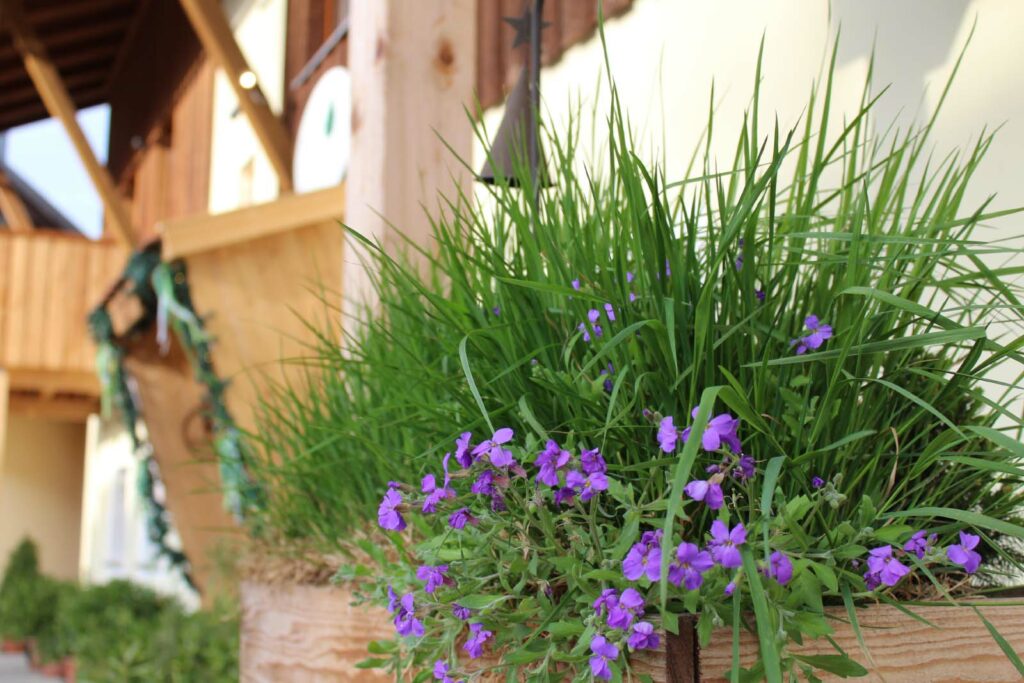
(521, 25)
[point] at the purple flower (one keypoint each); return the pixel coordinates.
(746, 468)
(668, 269)
(500, 457)
(739, 262)
(964, 554)
(406, 623)
(609, 311)
(817, 482)
(475, 643)
(461, 612)
(608, 599)
(725, 544)
(632, 297)
(586, 333)
(629, 606)
(550, 461)
(759, 293)
(730, 588)
(441, 672)
(709, 491)
(565, 496)
(819, 332)
(460, 518)
(887, 568)
(435, 494)
(591, 461)
(920, 543)
(689, 567)
(644, 558)
(593, 315)
(587, 486)
(872, 580)
(668, 435)
(629, 277)
(462, 451)
(434, 576)
(392, 600)
(604, 652)
(496, 310)
(576, 284)
(780, 567)
(643, 636)
(388, 515)
(721, 430)
(484, 484)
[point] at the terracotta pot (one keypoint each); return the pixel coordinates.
(55, 669)
(70, 670)
(12, 646)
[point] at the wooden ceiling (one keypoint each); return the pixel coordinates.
(83, 37)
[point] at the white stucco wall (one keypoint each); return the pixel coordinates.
(240, 173)
(666, 53)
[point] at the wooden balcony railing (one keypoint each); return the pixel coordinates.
(48, 283)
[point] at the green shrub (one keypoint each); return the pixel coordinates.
(20, 592)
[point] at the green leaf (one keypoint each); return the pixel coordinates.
(464, 360)
(765, 625)
(563, 629)
(826, 575)
(973, 518)
(372, 663)
(840, 665)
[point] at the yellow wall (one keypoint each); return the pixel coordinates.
(41, 491)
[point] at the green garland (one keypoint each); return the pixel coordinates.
(162, 289)
(115, 393)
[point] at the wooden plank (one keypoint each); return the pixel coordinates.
(172, 405)
(4, 392)
(218, 40)
(58, 324)
(307, 634)
(961, 650)
(254, 297)
(59, 104)
(13, 209)
(203, 233)
(413, 67)
(48, 382)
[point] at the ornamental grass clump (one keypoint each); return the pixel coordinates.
(761, 390)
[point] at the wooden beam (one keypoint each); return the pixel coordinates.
(196, 234)
(62, 408)
(214, 31)
(60, 106)
(5, 387)
(52, 382)
(12, 207)
(413, 68)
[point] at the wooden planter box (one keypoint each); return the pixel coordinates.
(903, 649)
(307, 634)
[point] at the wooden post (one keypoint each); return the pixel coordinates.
(214, 31)
(5, 385)
(58, 103)
(413, 70)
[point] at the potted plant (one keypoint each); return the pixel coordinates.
(736, 408)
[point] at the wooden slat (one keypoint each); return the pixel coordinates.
(204, 233)
(903, 649)
(214, 31)
(48, 283)
(58, 102)
(298, 634)
(93, 55)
